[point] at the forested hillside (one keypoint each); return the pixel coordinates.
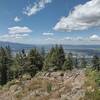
(46, 71)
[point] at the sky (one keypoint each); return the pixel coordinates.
(50, 21)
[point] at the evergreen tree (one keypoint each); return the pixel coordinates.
(61, 56)
(21, 62)
(3, 66)
(35, 62)
(96, 62)
(55, 58)
(83, 62)
(47, 62)
(24, 60)
(21, 57)
(9, 62)
(68, 64)
(43, 53)
(76, 64)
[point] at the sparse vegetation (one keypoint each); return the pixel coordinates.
(17, 74)
(92, 85)
(49, 87)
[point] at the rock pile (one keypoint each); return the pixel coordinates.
(58, 85)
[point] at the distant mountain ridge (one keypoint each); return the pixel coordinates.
(20, 46)
(16, 46)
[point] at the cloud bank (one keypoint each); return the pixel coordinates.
(31, 10)
(18, 29)
(16, 34)
(81, 18)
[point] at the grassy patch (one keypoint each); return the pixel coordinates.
(92, 85)
(49, 87)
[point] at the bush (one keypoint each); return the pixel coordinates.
(92, 85)
(49, 87)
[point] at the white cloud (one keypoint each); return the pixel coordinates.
(79, 38)
(94, 38)
(19, 38)
(18, 29)
(14, 36)
(31, 10)
(67, 38)
(50, 39)
(48, 34)
(17, 19)
(82, 17)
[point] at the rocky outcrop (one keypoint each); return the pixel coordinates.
(58, 85)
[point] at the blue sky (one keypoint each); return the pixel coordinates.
(50, 21)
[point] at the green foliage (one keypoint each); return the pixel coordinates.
(5, 63)
(12, 67)
(96, 62)
(19, 64)
(83, 63)
(92, 85)
(49, 87)
(68, 64)
(97, 79)
(10, 83)
(92, 95)
(43, 53)
(35, 62)
(15, 66)
(55, 58)
(76, 63)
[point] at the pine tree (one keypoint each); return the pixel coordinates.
(24, 61)
(68, 64)
(43, 52)
(76, 64)
(48, 62)
(21, 63)
(35, 62)
(61, 56)
(96, 62)
(83, 62)
(55, 58)
(6, 62)
(9, 62)
(3, 66)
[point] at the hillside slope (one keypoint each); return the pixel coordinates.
(47, 86)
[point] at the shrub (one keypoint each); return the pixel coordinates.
(49, 87)
(92, 85)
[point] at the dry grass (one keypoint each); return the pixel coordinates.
(40, 87)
